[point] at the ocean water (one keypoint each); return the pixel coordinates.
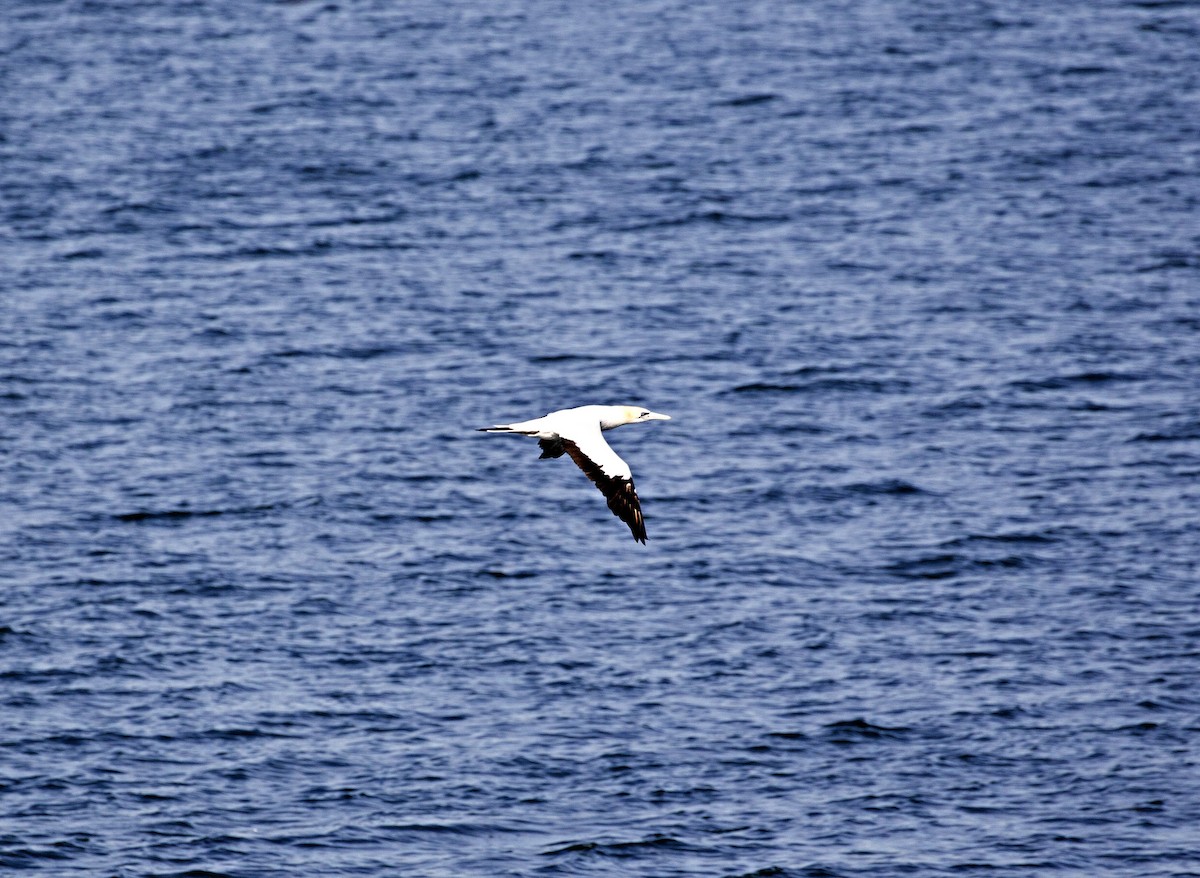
(918, 282)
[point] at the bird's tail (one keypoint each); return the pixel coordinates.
(504, 428)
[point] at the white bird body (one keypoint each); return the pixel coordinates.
(577, 432)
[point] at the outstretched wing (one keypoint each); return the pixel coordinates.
(609, 473)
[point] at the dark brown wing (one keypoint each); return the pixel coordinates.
(622, 498)
(551, 448)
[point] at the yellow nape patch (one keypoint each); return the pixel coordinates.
(631, 414)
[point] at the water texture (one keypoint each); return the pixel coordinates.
(918, 282)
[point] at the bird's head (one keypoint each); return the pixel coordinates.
(633, 414)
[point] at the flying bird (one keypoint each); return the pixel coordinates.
(577, 432)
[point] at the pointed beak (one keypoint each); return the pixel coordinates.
(655, 416)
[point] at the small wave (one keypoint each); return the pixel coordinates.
(565, 358)
(1171, 259)
(717, 217)
(748, 100)
(440, 828)
(183, 513)
(1017, 538)
(85, 253)
(950, 564)
(1182, 432)
(1080, 379)
(232, 733)
(365, 352)
(941, 566)
(819, 385)
(315, 248)
(619, 848)
(138, 207)
(33, 856)
(880, 488)
(761, 387)
(886, 486)
(852, 731)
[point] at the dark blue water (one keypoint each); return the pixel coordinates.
(919, 283)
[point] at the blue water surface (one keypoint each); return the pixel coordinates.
(918, 283)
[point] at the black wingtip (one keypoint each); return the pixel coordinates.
(637, 527)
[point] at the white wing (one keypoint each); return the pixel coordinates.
(591, 444)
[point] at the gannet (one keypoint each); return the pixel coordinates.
(577, 432)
